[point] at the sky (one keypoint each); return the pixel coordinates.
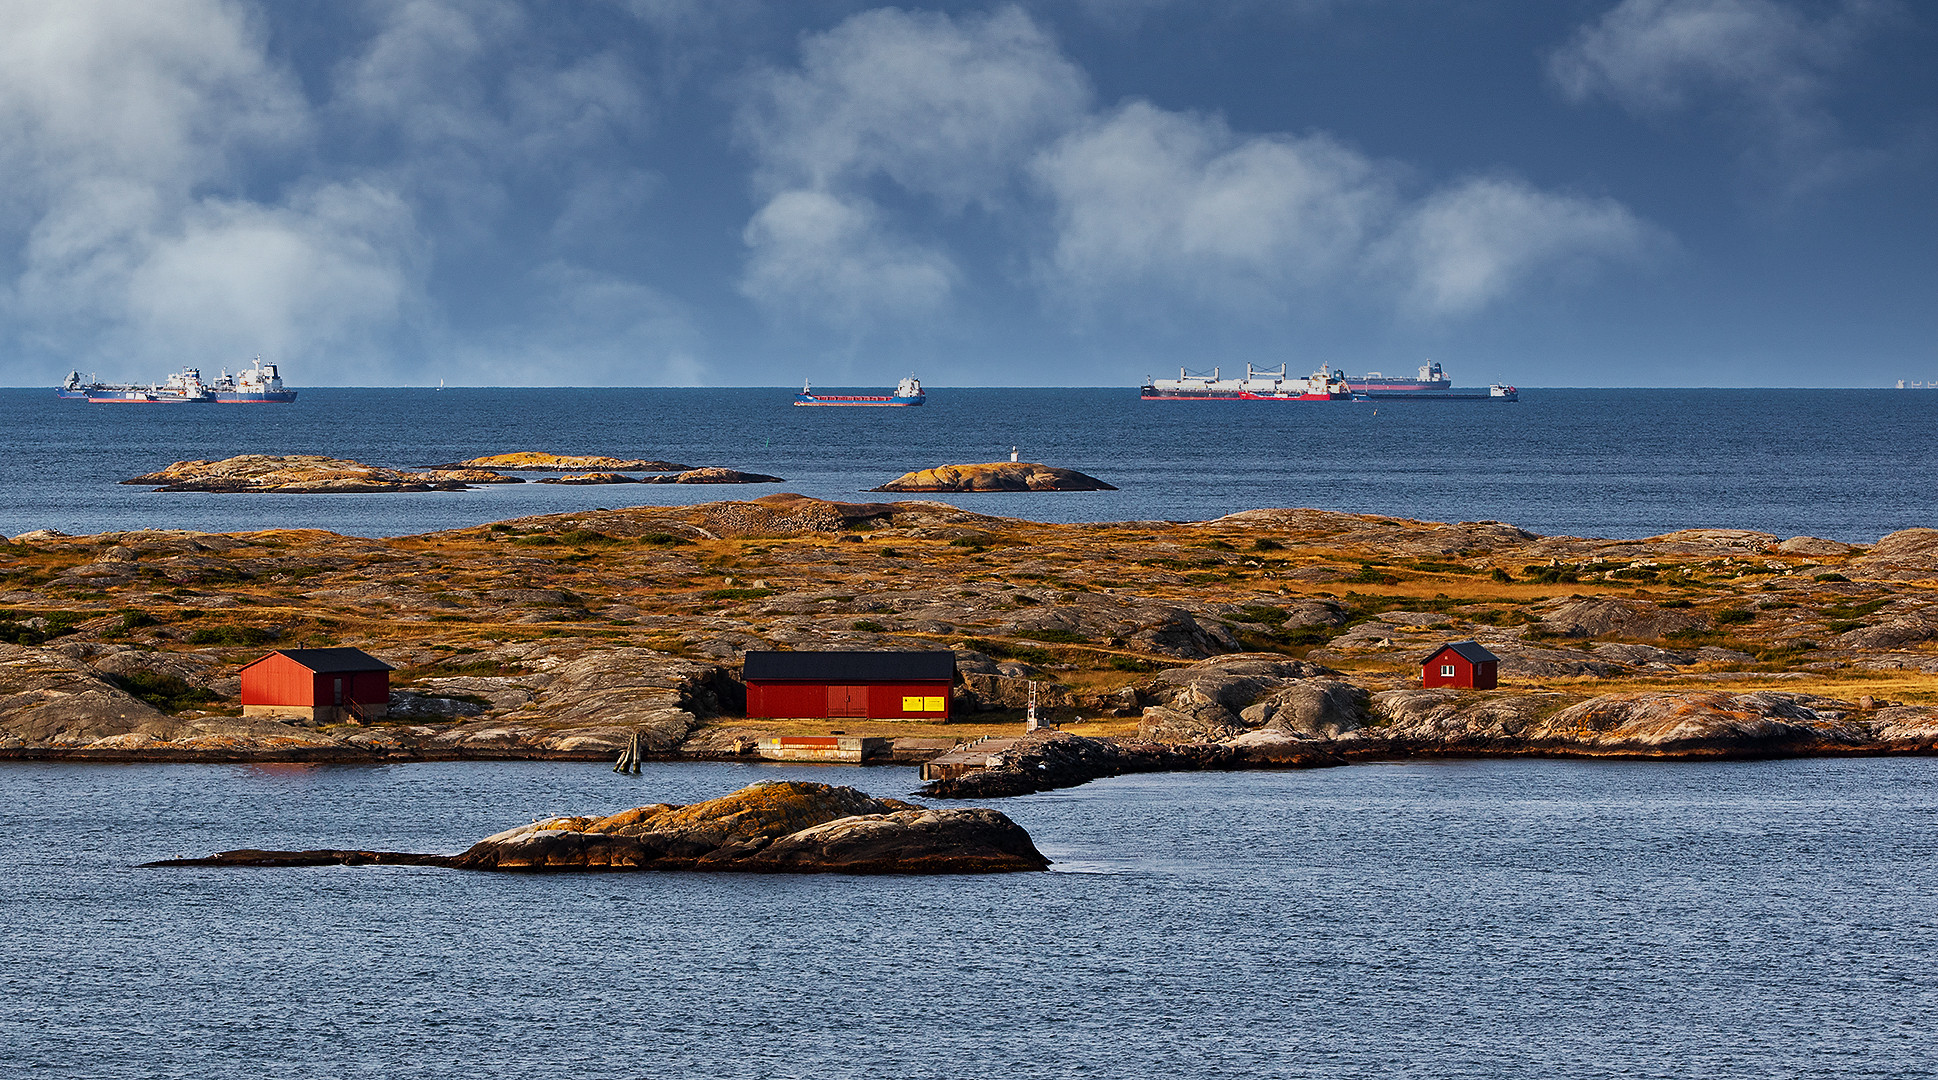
(1048, 193)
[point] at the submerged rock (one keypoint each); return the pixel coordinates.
(996, 476)
(782, 827)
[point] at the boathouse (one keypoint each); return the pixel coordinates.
(1463, 664)
(849, 685)
(321, 686)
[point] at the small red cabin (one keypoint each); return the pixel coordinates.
(1461, 663)
(319, 685)
(850, 685)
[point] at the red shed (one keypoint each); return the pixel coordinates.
(319, 685)
(1461, 663)
(857, 685)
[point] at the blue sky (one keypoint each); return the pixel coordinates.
(1064, 192)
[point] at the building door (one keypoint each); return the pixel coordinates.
(339, 693)
(847, 701)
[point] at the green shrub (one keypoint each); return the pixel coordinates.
(584, 537)
(1734, 615)
(664, 540)
(1127, 663)
(735, 594)
(1055, 635)
(1261, 613)
(1371, 575)
(165, 692)
(869, 625)
(1267, 544)
(535, 540)
(1499, 574)
(230, 635)
(131, 620)
(1831, 577)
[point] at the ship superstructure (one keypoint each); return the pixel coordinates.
(261, 384)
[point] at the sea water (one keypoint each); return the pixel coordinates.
(1517, 918)
(1844, 464)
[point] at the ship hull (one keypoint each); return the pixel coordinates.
(843, 401)
(267, 397)
(145, 397)
(1186, 395)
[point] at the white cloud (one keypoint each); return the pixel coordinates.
(1470, 244)
(1147, 196)
(939, 108)
(829, 259)
(1151, 201)
(1767, 66)
(127, 130)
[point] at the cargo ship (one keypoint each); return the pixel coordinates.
(258, 385)
(907, 392)
(1321, 385)
(1432, 384)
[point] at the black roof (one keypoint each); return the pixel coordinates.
(1471, 651)
(326, 660)
(939, 665)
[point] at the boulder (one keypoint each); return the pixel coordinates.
(996, 476)
(1314, 708)
(591, 478)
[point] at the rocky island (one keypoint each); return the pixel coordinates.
(301, 473)
(771, 828)
(542, 461)
(995, 476)
(1265, 639)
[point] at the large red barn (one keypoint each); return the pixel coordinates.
(319, 685)
(1463, 664)
(850, 685)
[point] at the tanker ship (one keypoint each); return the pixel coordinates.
(1432, 384)
(258, 385)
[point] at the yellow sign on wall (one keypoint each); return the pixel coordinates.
(922, 704)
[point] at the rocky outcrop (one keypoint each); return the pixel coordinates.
(1045, 762)
(781, 827)
(540, 461)
(591, 478)
(714, 474)
(1609, 616)
(1227, 695)
(1682, 724)
(996, 476)
(308, 473)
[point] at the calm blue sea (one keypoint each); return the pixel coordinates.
(1511, 919)
(1845, 464)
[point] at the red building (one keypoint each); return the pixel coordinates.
(1463, 664)
(857, 685)
(319, 685)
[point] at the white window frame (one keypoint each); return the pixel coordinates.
(1447, 671)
